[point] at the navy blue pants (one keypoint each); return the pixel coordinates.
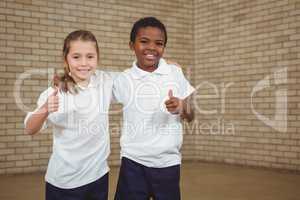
(97, 190)
(137, 182)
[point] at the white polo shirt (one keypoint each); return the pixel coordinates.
(151, 135)
(80, 134)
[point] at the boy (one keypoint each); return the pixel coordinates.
(155, 97)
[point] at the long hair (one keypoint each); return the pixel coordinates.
(65, 82)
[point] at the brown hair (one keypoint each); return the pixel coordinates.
(65, 82)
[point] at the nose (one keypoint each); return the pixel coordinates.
(83, 61)
(151, 46)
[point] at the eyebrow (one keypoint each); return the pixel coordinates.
(76, 53)
(159, 40)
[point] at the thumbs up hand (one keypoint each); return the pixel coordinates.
(52, 103)
(173, 104)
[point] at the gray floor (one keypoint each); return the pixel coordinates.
(200, 181)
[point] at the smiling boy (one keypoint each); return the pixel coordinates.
(155, 97)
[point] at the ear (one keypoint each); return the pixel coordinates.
(131, 45)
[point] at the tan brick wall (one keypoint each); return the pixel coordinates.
(226, 47)
(31, 36)
(238, 44)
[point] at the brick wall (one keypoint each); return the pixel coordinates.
(247, 57)
(242, 55)
(31, 38)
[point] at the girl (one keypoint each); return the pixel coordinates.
(78, 113)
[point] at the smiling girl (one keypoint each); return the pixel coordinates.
(78, 114)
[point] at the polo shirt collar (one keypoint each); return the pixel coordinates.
(162, 69)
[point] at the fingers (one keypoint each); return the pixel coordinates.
(172, 101)
(173, 104)
(53, 107)
(171, 62)
(173, 110)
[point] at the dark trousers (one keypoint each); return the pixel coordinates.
(97, 190)
(137, 182)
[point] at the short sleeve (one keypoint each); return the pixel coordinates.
(123, 88)
(116, 97)
(186, 89)
(113, 76)
(119, 86)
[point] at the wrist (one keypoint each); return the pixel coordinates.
(181, 111)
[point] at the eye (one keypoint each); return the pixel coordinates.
(75, 57)
(91, 56)
(159, 43)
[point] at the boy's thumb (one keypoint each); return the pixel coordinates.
(170, 93)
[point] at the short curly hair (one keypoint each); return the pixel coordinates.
(146, 22)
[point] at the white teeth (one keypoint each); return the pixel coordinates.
(150, 56)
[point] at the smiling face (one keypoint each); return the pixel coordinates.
(82, 61)
(148, 47)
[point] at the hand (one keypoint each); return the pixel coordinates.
(57, 82)
(52, 103)
(173, 63)
(173, 104)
